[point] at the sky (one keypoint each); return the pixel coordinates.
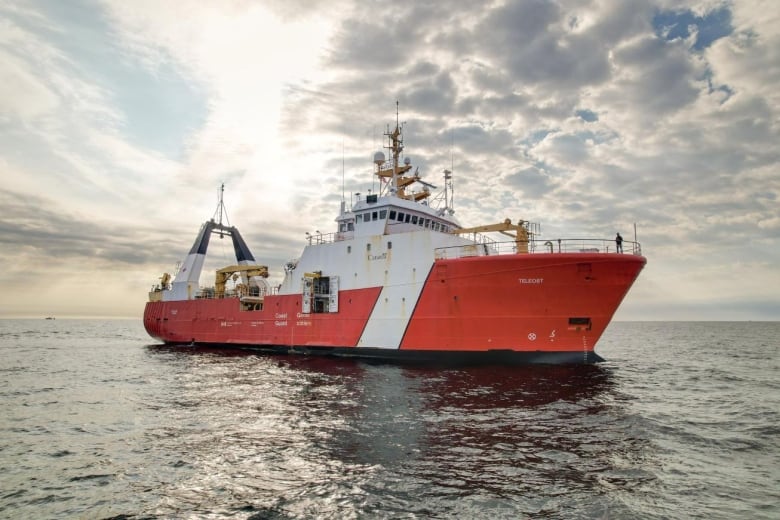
(120, 120)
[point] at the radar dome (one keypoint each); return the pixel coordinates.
(379, 158)
(407, 161)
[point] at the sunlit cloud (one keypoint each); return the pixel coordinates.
(119, 121)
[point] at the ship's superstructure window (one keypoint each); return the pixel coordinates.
(368, 247)
(395, 216)
(349, 249)
(389, 245)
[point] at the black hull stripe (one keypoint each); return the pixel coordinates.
(427, 357)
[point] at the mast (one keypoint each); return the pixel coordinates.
(392, 172)
(447, 184)
(448, 178)
(221, 207)
(396, 147)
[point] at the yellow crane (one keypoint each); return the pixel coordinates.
(521, 234)
(226, 272)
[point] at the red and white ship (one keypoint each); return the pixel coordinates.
(401, 279)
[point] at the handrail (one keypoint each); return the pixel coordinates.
(485, 245)
(209, 293)
(558, 245)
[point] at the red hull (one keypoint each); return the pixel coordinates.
(521, 303)
(534, 303)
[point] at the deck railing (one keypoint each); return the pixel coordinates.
(209, 293)
(488, 247)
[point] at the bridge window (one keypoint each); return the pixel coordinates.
(414, 219)
(392, 215)
(383, 214)
(374, 215)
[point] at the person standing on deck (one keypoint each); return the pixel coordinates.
(619, 243)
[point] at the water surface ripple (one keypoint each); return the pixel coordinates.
(97, 422)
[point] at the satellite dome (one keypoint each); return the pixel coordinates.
(379, 158)
(407, 161)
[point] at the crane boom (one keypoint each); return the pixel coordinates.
(521, 234)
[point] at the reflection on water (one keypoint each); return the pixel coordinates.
(675, 425)
(302, 436)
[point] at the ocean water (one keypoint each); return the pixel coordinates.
(96, 421)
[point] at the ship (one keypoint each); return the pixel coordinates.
(399, 279)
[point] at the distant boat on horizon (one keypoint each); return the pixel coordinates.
(50, 317)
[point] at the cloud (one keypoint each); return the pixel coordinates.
(684, 24)
(531, 41)
(119, 119)
(22, 95)
(43, 230)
